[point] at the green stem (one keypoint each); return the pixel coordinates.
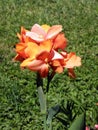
(42, 101)
(45, 125)
(50, 126)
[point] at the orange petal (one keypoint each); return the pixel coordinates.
(23, 30)
(37, 33)
(32, 49)
(38, 30)
(56, 63)
(26, 62)
(36, 37)
(44, 70)
(40, 66)
(59, 69)
(35, 65)
(53, 31)
(46, 45)
(22, 35)
(57, 66)
(19, 36)
(20, 47)
(73, 61)
(60, 42)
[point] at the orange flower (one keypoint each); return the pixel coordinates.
(42, 48)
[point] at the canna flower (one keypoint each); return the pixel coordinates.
(36, 57)
(42, 48)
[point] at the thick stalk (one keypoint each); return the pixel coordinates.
(42, 101)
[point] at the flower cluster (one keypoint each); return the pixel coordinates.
(43, 48)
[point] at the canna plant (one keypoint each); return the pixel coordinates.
(42, 50)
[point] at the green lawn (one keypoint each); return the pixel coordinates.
(19, 105)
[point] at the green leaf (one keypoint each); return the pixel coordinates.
(42, 100)
(52, 112)
(79, 123)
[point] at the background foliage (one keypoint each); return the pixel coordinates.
(19, 105)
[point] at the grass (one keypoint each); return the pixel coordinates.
(19, 105)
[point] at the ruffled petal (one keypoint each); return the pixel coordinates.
(38, 30)
(42, 56)
(60, 42)
(57, 66)
(57, 55)
(35, 65)
(53, 31)
(44, 70)
(46, 45)
(32, 49)
(20, 49)
(72, 61)
(34, 36)
(26, 62)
